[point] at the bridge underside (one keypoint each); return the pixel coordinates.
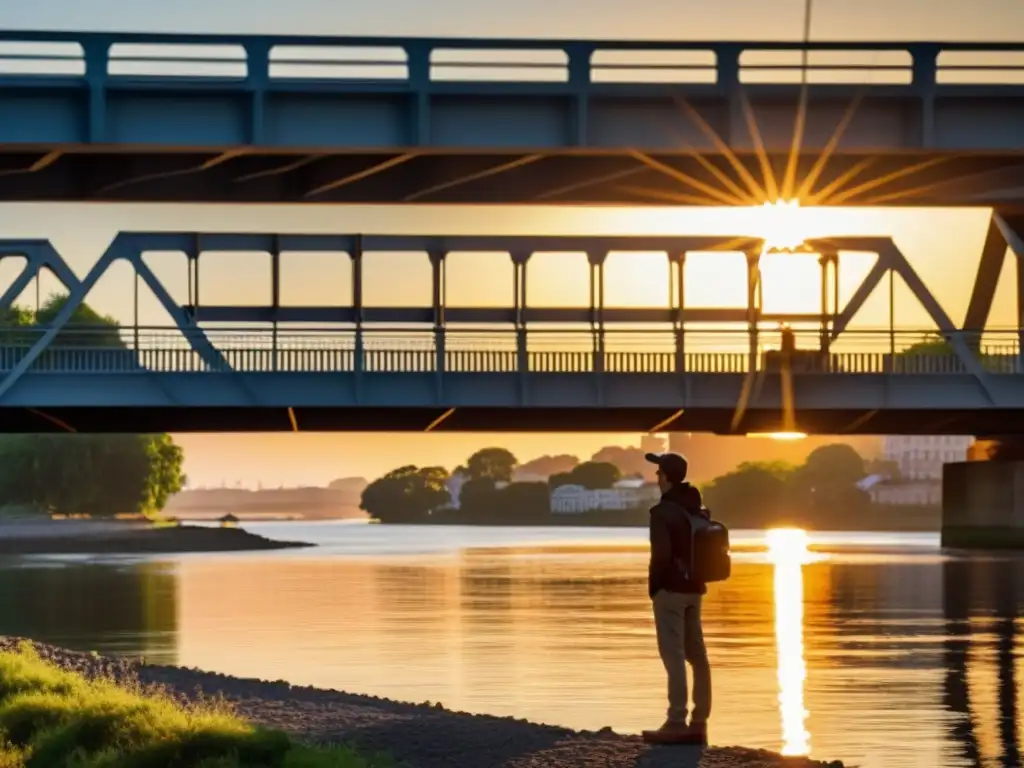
(503, 177)
(179, 419)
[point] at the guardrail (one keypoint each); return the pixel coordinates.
(137, 350)
(262, 61)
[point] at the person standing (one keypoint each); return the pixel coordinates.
(676, 592)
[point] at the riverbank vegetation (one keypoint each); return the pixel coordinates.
(822, 492)
(71, 474)
(51, 717)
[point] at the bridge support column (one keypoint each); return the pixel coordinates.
(597, 308)
(677, 264)
(357, 310)
(437, 263)
(753, 306)
(520, 259)
(828, 318)
(983, 505)
(275, 290)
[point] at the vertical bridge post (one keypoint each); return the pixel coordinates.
(437, 267)
(520, 259)
(357, 312)
(827, 260)
(753, 308)
(597, 261)
(275, 290)
(677, 267)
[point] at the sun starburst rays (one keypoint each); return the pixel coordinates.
(743, 188)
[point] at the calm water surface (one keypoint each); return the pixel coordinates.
(871, 648)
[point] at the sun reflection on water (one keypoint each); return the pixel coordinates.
(788, 552)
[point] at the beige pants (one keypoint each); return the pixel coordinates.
(681, 641)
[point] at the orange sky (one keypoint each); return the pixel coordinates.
(942, 245)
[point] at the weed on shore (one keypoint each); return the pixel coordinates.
(51, 718)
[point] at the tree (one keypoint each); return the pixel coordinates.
(494, 464)
(546, 466)
(406, 494)
(751, 491)
(559, 479)
(478, 497)
(932, 344)
(85, 328)
(829, 478)
(595, 474)
(98, 475)
(835, 464)
(630, 461)
(524, 500)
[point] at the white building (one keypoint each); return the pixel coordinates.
(920, 457)
(625, 494)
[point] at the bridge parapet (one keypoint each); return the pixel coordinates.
(168, 350)
(110, 59)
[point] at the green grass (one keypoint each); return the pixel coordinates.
(50, 718)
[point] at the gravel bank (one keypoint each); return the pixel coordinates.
(421, 736)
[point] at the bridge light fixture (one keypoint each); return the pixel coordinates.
(781, 226)
(778, 435)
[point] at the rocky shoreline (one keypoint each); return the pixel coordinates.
(417, 735)
(66, 538)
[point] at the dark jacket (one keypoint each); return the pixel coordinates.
(670, 541)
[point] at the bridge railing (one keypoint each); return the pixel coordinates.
(283, 62)
(127, 351)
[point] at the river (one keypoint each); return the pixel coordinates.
(875, 649)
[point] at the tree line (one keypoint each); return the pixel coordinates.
(754, 494)
(99, 475)
(488, 492)
(823, 487)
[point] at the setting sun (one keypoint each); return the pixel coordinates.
(782, 225)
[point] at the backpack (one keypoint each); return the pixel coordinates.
(709, 549)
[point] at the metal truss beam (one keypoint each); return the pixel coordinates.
(1004, 233)
(130, 246)
(125, 246)
(39, 255)
(891, 259)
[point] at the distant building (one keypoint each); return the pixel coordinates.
(919, 459)
(652, 444)
(625, 494)
(925, 493)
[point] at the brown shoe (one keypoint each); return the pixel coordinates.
(670, 733)
(698, 733)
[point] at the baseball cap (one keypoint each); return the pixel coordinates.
(672, 465)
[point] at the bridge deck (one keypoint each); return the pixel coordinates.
(276, 118)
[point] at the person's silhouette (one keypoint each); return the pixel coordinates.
(677, 601)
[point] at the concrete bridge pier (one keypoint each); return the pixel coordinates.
(983, 505)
